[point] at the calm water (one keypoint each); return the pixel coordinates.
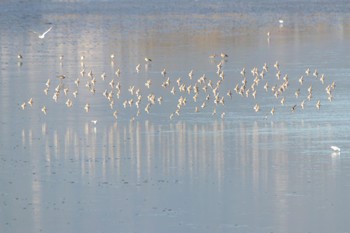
(247, 172)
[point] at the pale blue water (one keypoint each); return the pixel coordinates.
(248, 172)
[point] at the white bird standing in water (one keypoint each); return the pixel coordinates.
(281, 21)
(335, 149)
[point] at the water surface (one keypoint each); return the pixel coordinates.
(247, 172)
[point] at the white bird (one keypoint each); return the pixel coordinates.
(30, 101)
(87, 107)
(43, 109)
(335, 148)
(163, 72)
(23, 106)
(223, 55)
(138, 68)
(42, 36)
(222, 115)
(318, 105)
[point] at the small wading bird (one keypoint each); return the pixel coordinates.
(281, 21)
(61, 77)
(335, 149)
(223, 55)
(43, 109)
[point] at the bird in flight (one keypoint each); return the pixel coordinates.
(42, 36)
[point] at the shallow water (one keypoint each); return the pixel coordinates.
(247, 172)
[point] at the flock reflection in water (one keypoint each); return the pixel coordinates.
(256, 163)
(193, 150)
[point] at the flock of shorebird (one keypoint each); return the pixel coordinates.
(199, 92)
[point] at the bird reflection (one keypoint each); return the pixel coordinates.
(131, 146)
